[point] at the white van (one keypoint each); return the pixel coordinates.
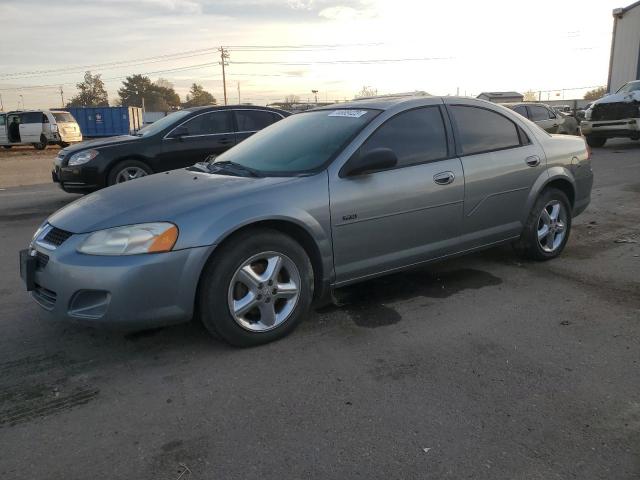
(38, 128)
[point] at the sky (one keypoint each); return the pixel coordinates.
(291, 47)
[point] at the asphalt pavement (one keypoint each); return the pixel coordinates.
(483, 367)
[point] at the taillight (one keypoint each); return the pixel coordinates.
(586, 145)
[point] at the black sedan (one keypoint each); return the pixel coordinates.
(178, 140)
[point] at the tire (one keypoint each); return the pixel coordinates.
(7, 146)
(596, 142)
(223, 285)
(534, 243)
(43, 143)
(119, 171)
(63, 144)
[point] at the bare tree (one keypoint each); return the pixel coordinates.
(291, 98)
(367, 91)
(595, 94)
(530, 96)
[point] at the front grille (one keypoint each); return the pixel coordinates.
(42, 259)
(615, 111)
(46, 298)
(56, 236)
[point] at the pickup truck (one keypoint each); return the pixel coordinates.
(613, 116)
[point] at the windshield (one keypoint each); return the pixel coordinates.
(62, 117)
(630, 87)
(299, 144)
(163, 123)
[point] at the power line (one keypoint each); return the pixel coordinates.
(176, 56)
(346, 62)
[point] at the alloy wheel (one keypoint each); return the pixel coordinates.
(264, 291)
(552, 226)
(130, 173)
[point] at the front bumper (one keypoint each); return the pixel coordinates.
(628, 128)
(79, 178)
(123, 292)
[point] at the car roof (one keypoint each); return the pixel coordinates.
(384, 103)
(234, 107)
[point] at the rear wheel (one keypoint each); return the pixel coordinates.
(547, 229)
(7, 146)
(128, 170)
(43, 143)
(256, 289)
(596, 141)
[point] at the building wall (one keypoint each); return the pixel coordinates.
(626, 50)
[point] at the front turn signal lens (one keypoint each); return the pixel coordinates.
(165, 241)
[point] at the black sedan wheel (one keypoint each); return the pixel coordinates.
(128, 170)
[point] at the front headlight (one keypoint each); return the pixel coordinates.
(587, 114)
(131, 239)
(82, 157)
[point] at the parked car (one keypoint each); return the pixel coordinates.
(614, 116)
(319, 200)
(546, 118)
(180, 139)
(38, 128)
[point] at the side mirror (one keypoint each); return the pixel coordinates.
(376, 159)
(179, 133)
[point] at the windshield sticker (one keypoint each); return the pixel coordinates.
(348, 113)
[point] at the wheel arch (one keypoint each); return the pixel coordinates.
(297, 232)
(555, 177)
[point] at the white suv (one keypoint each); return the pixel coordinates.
(38, 128)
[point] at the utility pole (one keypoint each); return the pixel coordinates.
(21, 98)
(1, 104)
(239, 93)
(62, 96)
(315, 92)
(224, 55)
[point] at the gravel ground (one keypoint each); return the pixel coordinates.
(20, 166)
(483, 367)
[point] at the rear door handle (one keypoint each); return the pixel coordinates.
(533, 160)
(444, 178)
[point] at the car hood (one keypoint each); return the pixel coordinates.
(620, 97)
(100, 142)
(160, 197)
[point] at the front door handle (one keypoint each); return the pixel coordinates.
(444, 178)
(533, 160)
(225, 141)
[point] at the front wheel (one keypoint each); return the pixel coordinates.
(596, 142)
(256, 289)
(128, 170)
(548, 225)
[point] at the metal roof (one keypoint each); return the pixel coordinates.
(618, 12)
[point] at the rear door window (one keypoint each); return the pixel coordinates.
(538, 113)
(415, 136)
(481, 130)
(212, 123)
(254, 120)
(521, 109)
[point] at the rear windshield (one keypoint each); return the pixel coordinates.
(300, 143)
(62, 117)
